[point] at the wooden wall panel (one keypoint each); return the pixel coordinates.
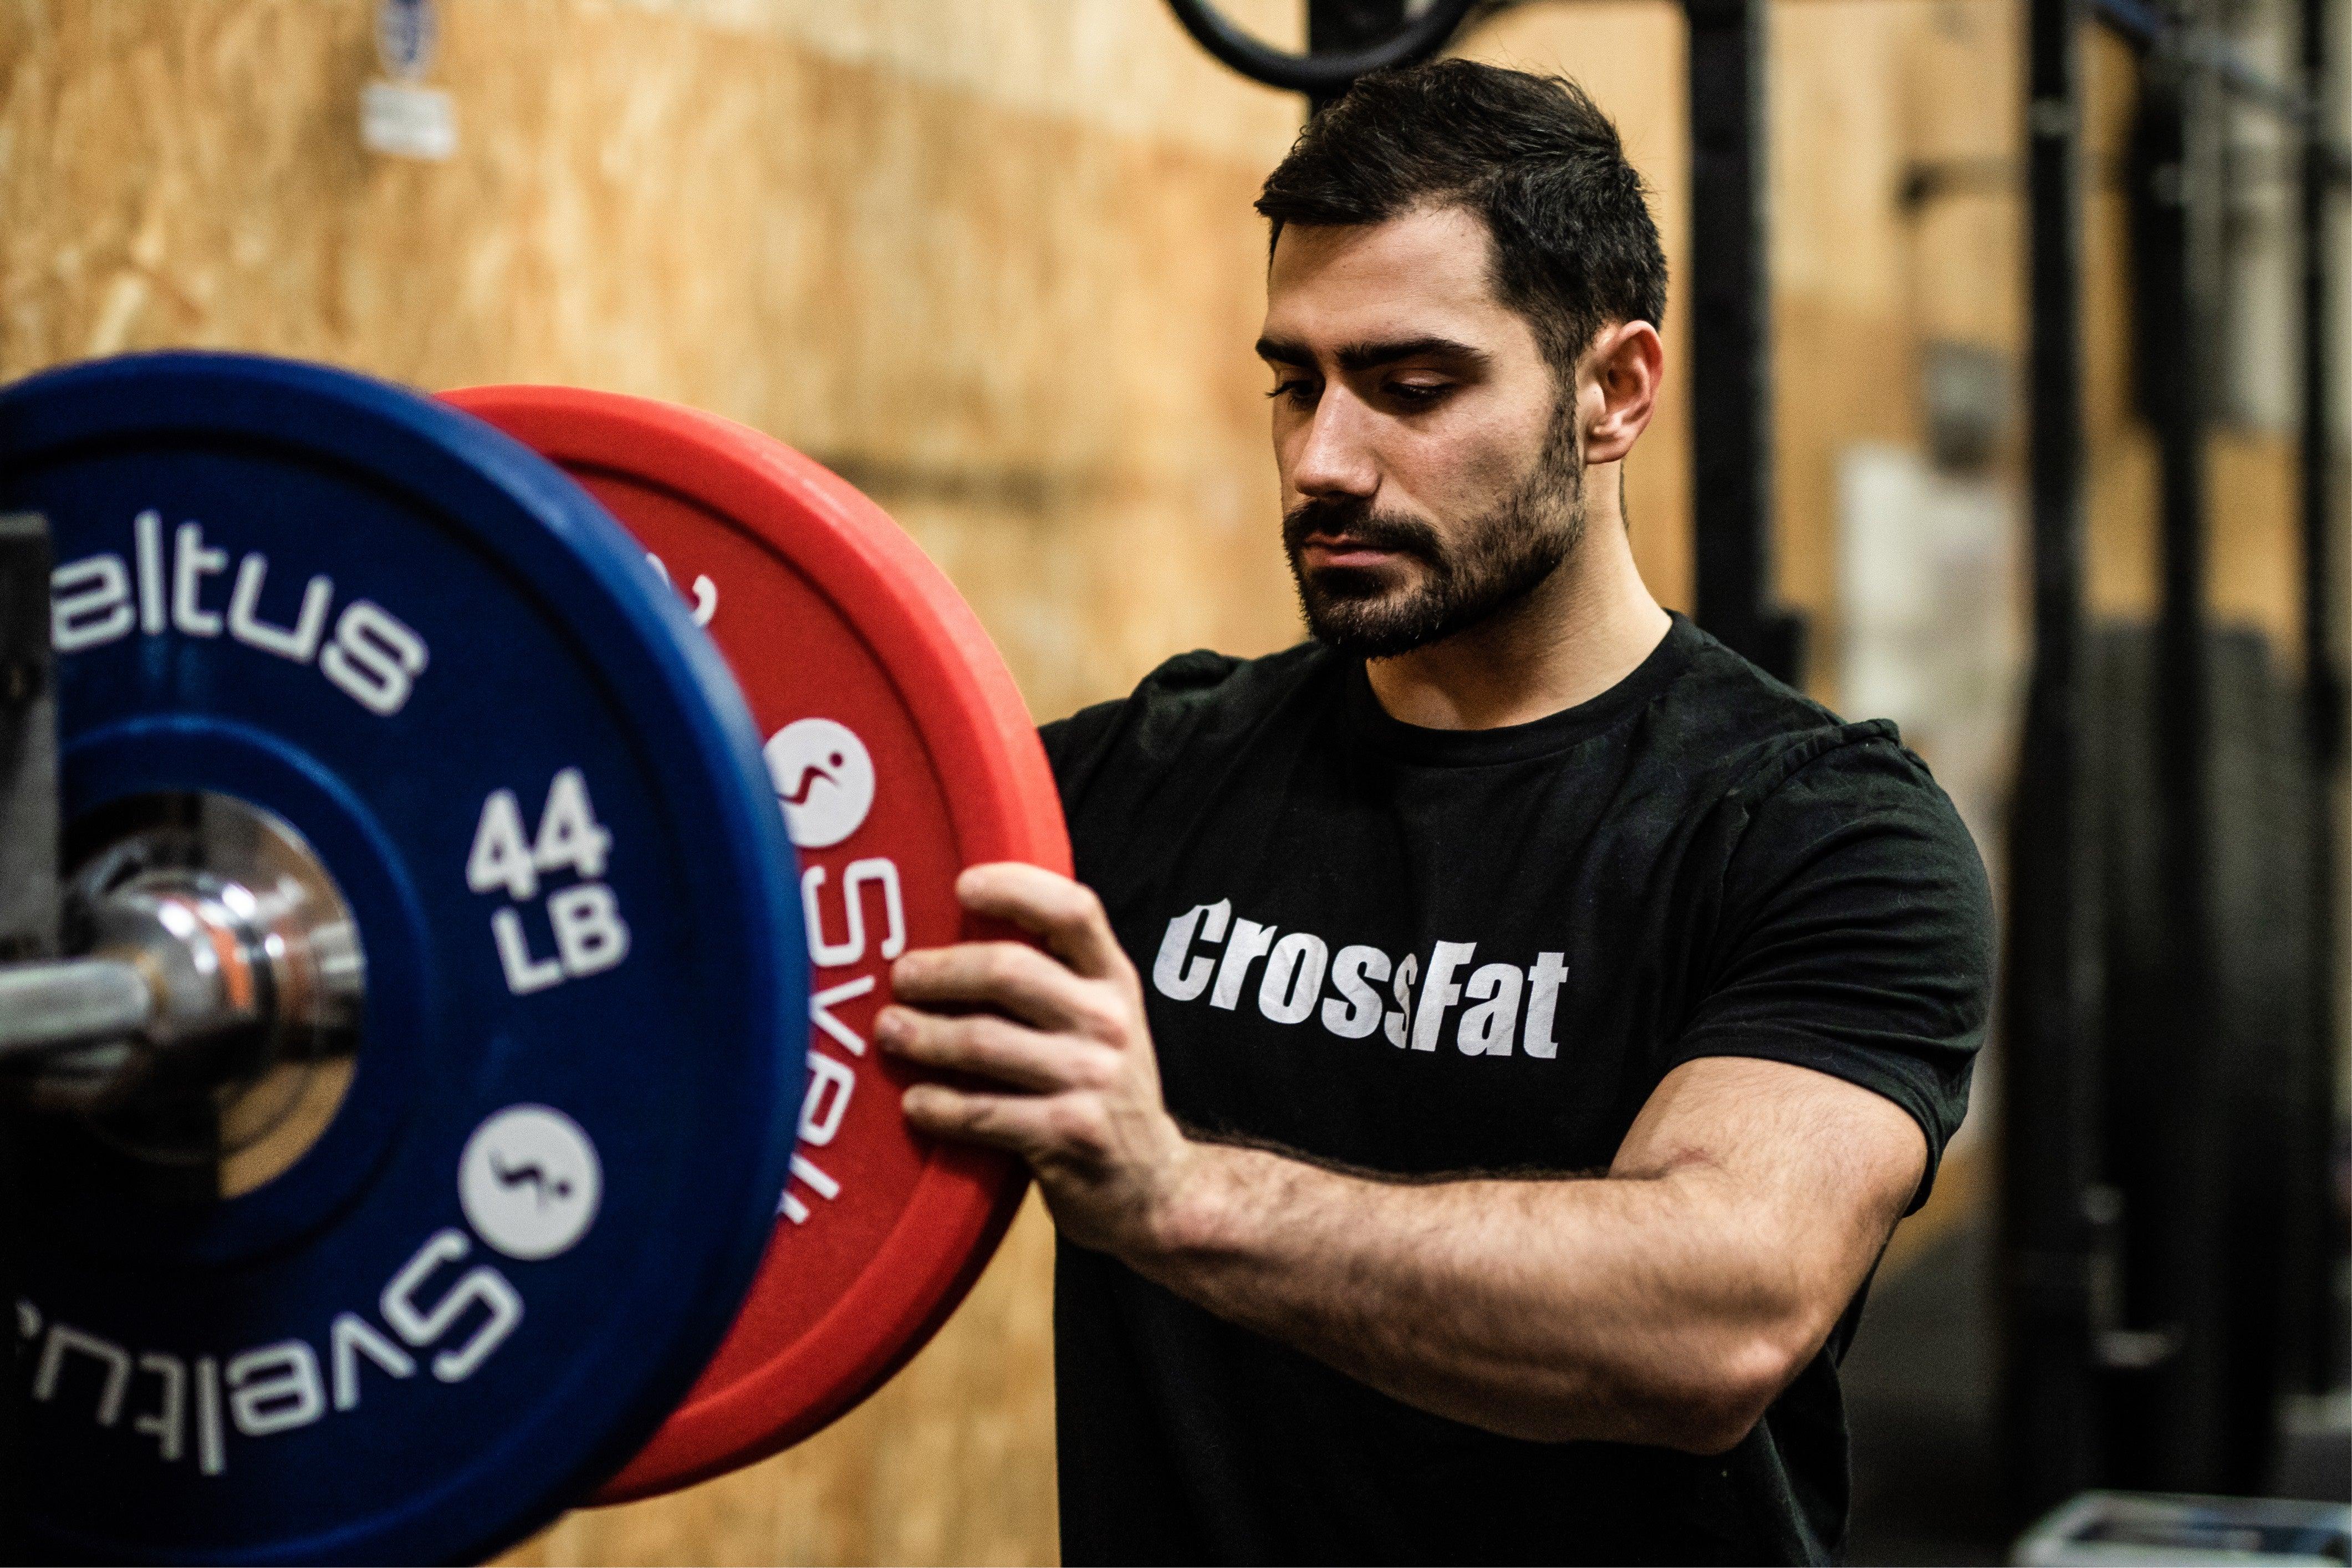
(1012, 314)
(1864, 94)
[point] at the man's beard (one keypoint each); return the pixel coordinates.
(1497, 561)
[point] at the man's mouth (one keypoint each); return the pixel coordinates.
(1340, 550)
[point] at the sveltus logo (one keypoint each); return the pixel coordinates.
(825, 779)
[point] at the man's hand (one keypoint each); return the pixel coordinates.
(1073, 1085)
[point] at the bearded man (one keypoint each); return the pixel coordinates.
(1488, 1045)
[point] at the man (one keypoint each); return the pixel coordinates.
(1504, 1031)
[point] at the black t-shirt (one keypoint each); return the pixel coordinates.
(1431, 951)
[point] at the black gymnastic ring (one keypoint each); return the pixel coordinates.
(1319, 76)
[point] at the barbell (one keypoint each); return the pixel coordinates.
(488, 823)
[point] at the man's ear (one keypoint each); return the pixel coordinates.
(1620, 387)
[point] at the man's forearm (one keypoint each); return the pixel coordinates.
(1669, 1302)
(1629, 1310)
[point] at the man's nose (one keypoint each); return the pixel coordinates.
(1335, 453)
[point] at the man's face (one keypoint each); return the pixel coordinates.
(1428, 476)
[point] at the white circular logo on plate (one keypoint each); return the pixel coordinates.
(824, 778)
(529, 1181)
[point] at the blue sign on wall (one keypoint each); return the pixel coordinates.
(404, 35)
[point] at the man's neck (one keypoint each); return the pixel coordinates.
(1582, 630)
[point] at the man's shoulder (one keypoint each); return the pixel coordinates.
(1754, 734)
(1195, 699)
(1803, 785)
(1204, 679)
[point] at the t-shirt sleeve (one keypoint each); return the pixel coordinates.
(1854, 937)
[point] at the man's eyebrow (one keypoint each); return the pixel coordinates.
(1365, 356)
(1284, 352)
(1369, 355)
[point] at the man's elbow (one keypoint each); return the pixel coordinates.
(1714, 1413)
(1704, 1401)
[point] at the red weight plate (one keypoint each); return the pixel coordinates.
(902, 753)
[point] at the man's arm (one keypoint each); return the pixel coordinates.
(1668, 1303)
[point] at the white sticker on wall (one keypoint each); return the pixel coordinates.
(406, 121)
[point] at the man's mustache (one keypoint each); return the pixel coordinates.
(1352, 518)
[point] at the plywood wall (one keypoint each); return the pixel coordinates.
(1865, 94)
(1005, 278)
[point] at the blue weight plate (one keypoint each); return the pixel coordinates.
(298, 597)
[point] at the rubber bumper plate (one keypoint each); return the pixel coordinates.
(902, 753)
(299, 609)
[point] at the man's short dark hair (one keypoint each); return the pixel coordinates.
(1575, 246)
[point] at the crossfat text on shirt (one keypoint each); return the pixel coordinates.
(1357, 989)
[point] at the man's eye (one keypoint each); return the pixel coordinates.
(1419, 395)
(1298, 391)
